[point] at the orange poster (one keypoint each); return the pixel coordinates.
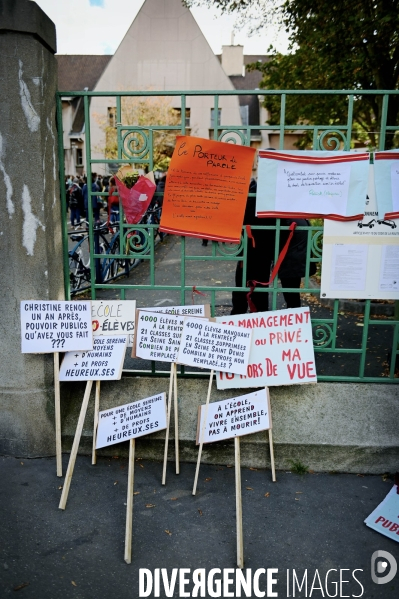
(206, 189)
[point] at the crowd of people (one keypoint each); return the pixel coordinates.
(77, 197)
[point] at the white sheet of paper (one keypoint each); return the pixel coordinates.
(114, 317)
(131, 420)
(349, 267)
(158, 336)
(55, 326)
(235, 417)
(395, 185)
(103, 363)
(321, 188)
(389, 270)
(215, 346)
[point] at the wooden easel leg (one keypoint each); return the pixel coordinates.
(57, 406)
(129, 504)
(165, 455)
(75, 446)
(240, 544)
(95, 427)
(177, 454)
(202, 433)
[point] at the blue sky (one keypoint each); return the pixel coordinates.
(95, 26)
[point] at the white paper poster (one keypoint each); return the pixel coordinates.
(349, 263)
(386, 167)
(55, 326)
(158, 336)
(114, 317)
(235, 417)
(215, 346)
(310, 183)
(103, 363)
(360, 258)
(385, 518)
(281, 349)
(131, 420)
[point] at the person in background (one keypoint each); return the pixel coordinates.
(94, 199)
(75, 202)
(113, 203)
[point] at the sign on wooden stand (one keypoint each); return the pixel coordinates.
(128, 422)
(50, 327)
(233, 418)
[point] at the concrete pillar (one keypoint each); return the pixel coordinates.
(30, 228)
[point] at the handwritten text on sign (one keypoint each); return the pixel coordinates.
(103, 363)
(131, 420)
(235, 417)
(323, 188)
(52, 326)
(281, 349)
(158, 336)
(214, 346)
(114, 318)
(198, 310)
(206, 189)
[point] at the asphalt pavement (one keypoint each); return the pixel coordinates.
(310, 523)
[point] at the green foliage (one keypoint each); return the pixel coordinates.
(131, 179)
(298, 468)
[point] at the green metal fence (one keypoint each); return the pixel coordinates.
(355, 347)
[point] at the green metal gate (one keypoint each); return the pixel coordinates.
(377, 338)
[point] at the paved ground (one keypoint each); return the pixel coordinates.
(310, 522)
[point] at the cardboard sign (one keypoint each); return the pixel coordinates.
(385, 518)
(103, 363)
(115, 317)
(215, 346)
(158, 336)
(311, 183)
(206, 189)
(55, 326)
(386, 166)
(235, 417)
(281, 349)
(131, 420)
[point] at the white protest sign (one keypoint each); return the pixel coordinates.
(103, 363)
(215, 346)
(54, 326)
(114, 317)
(131, 420)
(385, 518)
(158, 336)
(281, 349)
(235, 417)
(202, 310)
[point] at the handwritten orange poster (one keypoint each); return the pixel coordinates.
(206, 189)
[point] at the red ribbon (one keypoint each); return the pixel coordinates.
(249, 234)
(253, 284)
(195, 290)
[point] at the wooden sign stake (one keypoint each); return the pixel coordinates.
(202, 433)
(129, 504)
(57, 405)
(272, 454)
(95, 427)
(177, 455)
(240, 544)
(75, 446)
(165, 456)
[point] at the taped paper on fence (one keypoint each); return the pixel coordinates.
(206, 189)
(215, 346)
(235, 417)
(131, 420)
(103, 363)
(158, 336)
(312, 184)
(386, 170)
(114, 317)
(281, 349)
(385, 518)
(55, 326)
